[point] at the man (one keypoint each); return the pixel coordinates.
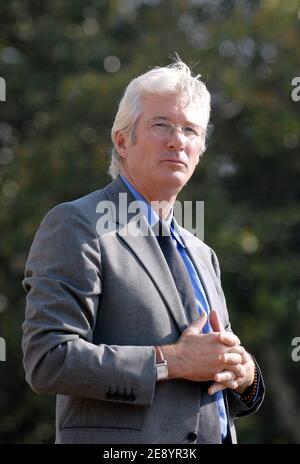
(126, 321)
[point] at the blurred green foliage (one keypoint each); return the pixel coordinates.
(65, 65)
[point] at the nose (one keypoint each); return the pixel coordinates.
(177, 140)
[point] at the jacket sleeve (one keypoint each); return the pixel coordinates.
(63, 285)
(238, 407)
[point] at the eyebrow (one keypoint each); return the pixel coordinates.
(188, 123)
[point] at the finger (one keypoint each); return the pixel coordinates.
(231, 358)
(197, 326)
(224, 376)
(246, 357)
(238, 370)
(233, 384)
(228, 338)
(237, 349)
(222, 386)
(214, 388)
(215, 322)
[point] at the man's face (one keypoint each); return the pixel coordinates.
(161, 162)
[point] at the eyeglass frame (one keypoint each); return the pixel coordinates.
(171, 129)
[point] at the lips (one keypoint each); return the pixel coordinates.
(174, 160)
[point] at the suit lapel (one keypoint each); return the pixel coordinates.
(147, 250)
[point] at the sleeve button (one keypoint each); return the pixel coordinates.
(132, 396)
(109, 394)
(191, 436)
(124, 396)
(116, 395)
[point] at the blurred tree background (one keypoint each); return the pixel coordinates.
(66, 64)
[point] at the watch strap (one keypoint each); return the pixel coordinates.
(161, 365)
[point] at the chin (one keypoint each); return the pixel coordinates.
(174, 179)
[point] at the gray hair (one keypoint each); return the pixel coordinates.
(175, 79)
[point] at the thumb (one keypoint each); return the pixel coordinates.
(198, 325)
(215, 322)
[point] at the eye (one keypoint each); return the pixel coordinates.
(190, 131)
(161, 125)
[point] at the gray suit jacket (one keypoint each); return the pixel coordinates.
(97, 302)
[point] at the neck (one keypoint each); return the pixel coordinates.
(162, 201)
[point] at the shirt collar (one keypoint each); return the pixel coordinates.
(151, 215)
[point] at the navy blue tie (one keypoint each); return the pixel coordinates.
(177, 268)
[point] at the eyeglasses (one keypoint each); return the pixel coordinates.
(165, 129)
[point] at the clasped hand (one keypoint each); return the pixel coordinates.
(216, 356)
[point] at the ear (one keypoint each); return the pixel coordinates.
(121, 144)
(201, 153)
(198, 159)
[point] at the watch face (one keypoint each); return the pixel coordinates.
(162, 371)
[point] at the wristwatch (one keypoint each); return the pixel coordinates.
(161, 365)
